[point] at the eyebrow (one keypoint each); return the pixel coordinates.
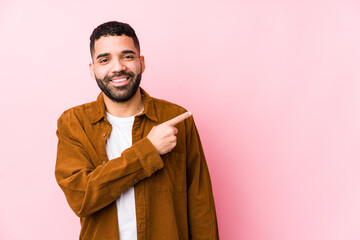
(107, 54)
(128, 51)
(102, 55)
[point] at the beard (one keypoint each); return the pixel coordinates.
(123, 93)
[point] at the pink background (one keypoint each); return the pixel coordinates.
(274, 87)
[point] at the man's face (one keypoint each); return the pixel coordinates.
(117, 67)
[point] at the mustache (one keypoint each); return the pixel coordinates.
(121, 74)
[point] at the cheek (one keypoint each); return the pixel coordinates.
(137, 68)
(100, 72)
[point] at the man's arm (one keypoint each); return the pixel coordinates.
(89, 187)
(201, 207)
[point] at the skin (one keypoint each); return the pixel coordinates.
(163, 136)
(112, 57)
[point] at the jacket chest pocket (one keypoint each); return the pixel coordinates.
(173, 175)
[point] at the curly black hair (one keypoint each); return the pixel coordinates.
(113, 28)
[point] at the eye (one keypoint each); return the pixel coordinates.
(128, 57)
(104, 60)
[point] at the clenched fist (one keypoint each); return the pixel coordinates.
(163, 136)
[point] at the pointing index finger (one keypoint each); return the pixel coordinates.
(178, 119)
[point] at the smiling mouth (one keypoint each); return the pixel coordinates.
(119, 80)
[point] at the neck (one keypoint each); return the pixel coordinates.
(125, 109)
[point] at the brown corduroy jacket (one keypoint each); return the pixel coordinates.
(173, 194)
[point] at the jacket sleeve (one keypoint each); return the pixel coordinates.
(89, 187)
(201, 206)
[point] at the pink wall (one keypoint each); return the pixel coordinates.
(274, 86)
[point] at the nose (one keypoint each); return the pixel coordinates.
(118, 66)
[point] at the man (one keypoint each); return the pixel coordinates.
(132, 166)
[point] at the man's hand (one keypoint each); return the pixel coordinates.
(163, 136)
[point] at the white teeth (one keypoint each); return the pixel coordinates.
(119, 80)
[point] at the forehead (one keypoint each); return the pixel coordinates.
(114, 44)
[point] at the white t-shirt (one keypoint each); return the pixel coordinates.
(119, 140)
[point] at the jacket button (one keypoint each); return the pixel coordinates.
(104, 162)
(104, 134)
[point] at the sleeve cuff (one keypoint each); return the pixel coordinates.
(148, 155)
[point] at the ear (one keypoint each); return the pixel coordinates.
(91, 68)
(142, 62)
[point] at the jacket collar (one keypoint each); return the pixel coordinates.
(99, 110)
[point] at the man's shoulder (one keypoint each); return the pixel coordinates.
(164, 107)
(166, 110)
(80, 112)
